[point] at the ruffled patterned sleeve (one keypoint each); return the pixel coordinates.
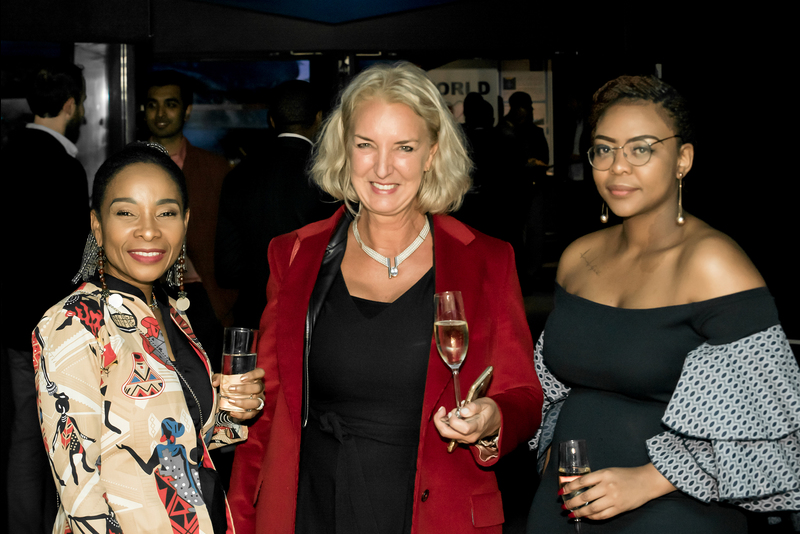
(555, 393)
(734, 420)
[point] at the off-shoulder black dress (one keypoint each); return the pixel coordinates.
(709, 392)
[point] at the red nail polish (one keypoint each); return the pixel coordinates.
(571, 515)
(561, 491)
(564, 507)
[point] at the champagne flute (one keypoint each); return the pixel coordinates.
(573, 463)
(452, 334)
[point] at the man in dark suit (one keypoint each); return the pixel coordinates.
(46, 214)
(267, 195)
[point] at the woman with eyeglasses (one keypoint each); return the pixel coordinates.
(664, 350)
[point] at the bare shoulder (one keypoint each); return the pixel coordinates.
(712, 265)
(578, 256)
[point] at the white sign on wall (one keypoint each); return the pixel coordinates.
(455, 84)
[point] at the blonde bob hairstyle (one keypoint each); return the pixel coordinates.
(444, 185)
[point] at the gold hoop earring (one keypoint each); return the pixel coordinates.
(680, 219)
(604, 213)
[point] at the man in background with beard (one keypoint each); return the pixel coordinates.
(46, 215)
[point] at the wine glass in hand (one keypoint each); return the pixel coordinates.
(452, 335)
(573, 463)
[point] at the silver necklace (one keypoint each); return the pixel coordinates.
(383, 260)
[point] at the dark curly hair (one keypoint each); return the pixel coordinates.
(137, 152)
(648, 89)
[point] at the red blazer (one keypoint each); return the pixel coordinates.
(453, 492)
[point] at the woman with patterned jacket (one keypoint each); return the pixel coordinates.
(127, 403)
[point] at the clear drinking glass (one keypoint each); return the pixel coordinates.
(238, 357)
(452, 334)
(573, 463)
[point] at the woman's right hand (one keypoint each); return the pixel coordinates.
(615, 490)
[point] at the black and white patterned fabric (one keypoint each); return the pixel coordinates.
(734, 425)
(555, 393)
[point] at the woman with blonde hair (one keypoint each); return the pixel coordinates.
(355, 432)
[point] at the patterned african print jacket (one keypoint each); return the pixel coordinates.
(122, 445)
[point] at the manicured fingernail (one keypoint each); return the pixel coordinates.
(561, 491)
(244, 378)
(571, 515)
(231, 388)
(564, 507)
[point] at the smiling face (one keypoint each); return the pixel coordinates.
(141, 225)
(630, 190)
(165, 112)
(390, 150)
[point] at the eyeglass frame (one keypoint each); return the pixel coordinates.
(614, 149)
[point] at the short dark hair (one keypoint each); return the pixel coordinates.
(294, 103)
(52, 85)
(162, 78)
(630, 89)
(136, 152)
(520, 99)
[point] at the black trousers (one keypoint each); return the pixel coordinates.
(31, 491)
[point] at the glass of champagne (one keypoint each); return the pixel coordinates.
(238, 357)
(452, 334)
(573, 463)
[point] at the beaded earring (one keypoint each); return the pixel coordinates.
(89, 260)
(175, 279)
(680, 219)
(114, 300)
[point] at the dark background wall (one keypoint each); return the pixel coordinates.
(732, 66)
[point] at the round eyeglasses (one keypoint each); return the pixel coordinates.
(636, 151)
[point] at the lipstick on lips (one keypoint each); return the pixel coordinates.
(147, 255)
(620, 191)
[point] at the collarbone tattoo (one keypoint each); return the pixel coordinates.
(590, 265)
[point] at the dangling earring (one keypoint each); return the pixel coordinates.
(680, 220)
(604, 213)
(114, 300)
(89, 260)
(175, 279)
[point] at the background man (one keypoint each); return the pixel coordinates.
(525, 156)
(47, 215)
(167, 108)
(267, 195)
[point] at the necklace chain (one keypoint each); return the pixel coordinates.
(383, 260)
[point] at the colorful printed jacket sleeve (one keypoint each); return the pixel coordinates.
(71, 353)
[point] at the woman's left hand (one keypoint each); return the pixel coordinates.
(615, 490)
(251, 388)
(479, 419)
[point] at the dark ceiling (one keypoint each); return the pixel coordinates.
(331, 12)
